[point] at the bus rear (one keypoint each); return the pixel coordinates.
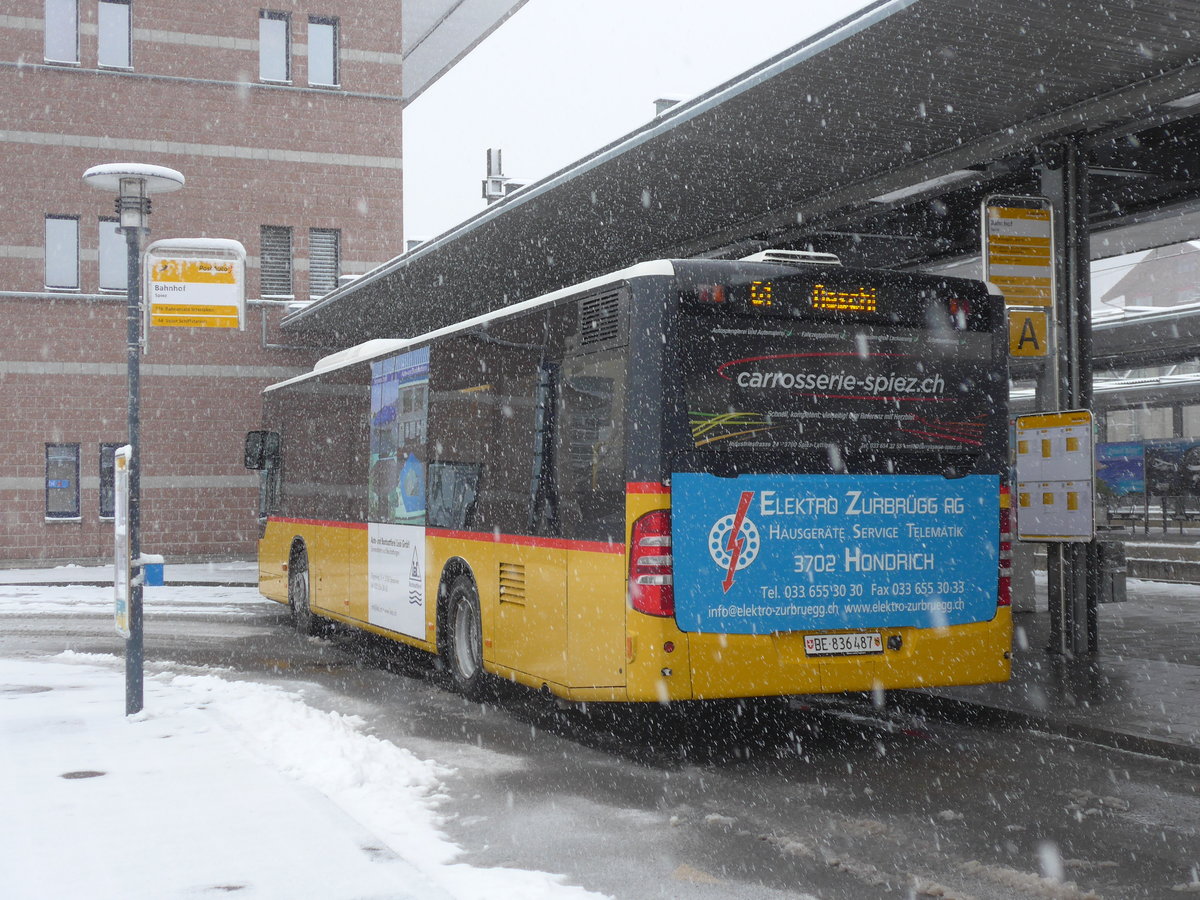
(834, 444)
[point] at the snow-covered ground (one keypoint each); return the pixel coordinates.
(218, 786)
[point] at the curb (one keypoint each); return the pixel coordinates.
(974, 713)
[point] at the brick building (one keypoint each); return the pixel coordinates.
(286, 124)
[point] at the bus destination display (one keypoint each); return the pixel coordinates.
(794, 298)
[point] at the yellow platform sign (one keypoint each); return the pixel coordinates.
(1028, 332)
(1018, 249)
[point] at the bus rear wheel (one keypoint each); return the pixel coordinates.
(298, 595)
(463, 650)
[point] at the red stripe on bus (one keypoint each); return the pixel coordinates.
(646, 487)
(482, 536)
(320, 522)
(519, 540)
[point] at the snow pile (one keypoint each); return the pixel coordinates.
(218, 787)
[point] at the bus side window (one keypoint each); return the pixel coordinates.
(451, 499)
(483, 401)
(590, 447)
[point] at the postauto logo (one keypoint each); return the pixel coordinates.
(733, 540)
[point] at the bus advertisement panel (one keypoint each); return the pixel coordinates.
(774, 553)
(396, 492)
(770, 385)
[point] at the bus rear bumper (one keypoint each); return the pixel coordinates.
(717, 666)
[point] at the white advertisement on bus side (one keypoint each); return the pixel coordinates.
(396, 578)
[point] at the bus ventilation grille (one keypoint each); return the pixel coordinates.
(599, 319)
(512, 583)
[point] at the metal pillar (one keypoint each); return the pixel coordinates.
(133, 349)
(1067, 381)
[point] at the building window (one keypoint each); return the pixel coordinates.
(114, 257)
(108, 480)
(275, 261)
(324, 260)
(322, 50)
(62, 31)
(114, 27)
(62, 481)
(274, 46)
(62, 253)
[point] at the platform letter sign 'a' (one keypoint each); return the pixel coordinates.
(1028, 331)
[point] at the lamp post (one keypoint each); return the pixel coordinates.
(134, 183)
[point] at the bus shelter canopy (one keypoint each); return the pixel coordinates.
(875, 139)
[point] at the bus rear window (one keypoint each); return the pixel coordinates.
(770, 384)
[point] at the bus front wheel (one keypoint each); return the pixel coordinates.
(463, 652)
(298, 595)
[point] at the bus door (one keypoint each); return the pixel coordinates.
(590, 486)
(531, 589)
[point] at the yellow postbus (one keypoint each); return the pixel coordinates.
(686, 480)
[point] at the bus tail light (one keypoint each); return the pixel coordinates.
(1004, 587)
(651, 572)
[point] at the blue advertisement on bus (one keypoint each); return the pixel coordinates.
(773, 553)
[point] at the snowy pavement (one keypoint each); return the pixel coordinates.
(218, 786)
(232, 572)
(233, 786)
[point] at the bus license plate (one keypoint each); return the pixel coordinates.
(843, 644)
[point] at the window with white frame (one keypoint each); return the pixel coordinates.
(62, 253)
(114, 257)
(324, 260)
(274, 46)
(62, 481)
(322, 50)
(61, 29)
(114, 27)
(275, 261)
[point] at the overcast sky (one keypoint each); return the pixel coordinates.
(564, 77)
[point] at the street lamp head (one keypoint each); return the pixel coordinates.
(158, 179)
(133, 183)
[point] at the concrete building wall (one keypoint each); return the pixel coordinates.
(254, 153)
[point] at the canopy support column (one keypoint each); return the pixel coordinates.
(1066, 382)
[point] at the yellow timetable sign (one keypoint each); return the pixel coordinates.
(194, 283)
(1018, 249)
(1055, 476)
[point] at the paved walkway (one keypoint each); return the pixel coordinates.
(1140, 692)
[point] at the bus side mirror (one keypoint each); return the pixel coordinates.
(262, 450)
(256, 456)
